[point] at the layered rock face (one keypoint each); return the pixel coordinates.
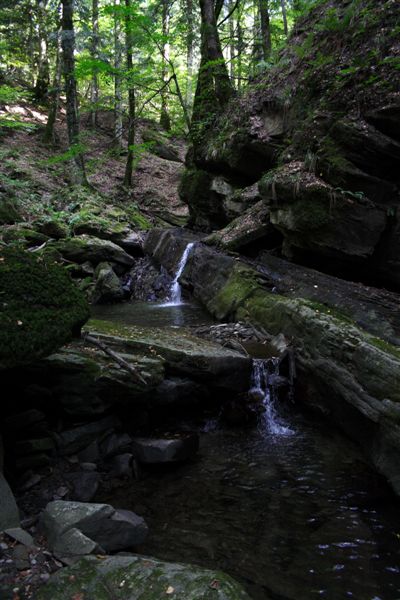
(346, 336)
(312, 151)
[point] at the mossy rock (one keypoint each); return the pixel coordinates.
(24, 236)
(40, 308)
(139, 577)
(8, 212)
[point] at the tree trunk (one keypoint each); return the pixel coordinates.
(43, 77)
(131, 95)
(265, 29)
(117, 80)
(214, 88)
(232, 44)
(165, 120)
(48, 135)
(189, 54)
(284, 16)
(95, 57)
(68, 47)
(239, 49)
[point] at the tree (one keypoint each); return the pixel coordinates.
(265, 28)
(117, 78)
(68, 48)
(165, 120)
(43, 77)
(95, 57)
(131, 93)
(214, 87)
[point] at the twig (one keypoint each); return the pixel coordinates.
(118, 359)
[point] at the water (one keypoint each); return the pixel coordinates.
(272, 422)
(176, 290)
(291, 517)
(149, 314)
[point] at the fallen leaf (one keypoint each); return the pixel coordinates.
(215, 584)
(170, 590)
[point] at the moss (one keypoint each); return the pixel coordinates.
(40, 308)
(8, 211)
(385, 346)
(241, 284)
(24, 236)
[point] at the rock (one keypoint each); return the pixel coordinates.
(76, 439)
(114, 444)
(53, 228)
(91, 453)
(95, 250)
(124, 529)
(178, 448)
(112, 529)
(8, 211)
(85, 485)
(20, 536)
(147, 282)
(179, 391)
(312, 216)
(24, 421)
(107, 285)
(74, 543)
(135, 577)
(251, 226)
(24, 236)
(42, 309)
(20, 556)
(9, 514)
(34, 446)
(159, 145)
(183, 353)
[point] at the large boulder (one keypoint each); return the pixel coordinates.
(9, 514)
(41, 309)
(139, 577)
(84, 248)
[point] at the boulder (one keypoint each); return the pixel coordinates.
(176, 448)
(84, 485)
(9, 514)
(107, 287)
(8, 211)
(41, 308)
(76, 439)
(158, 145)
(84, 248)
(74, 543)
(111, 529)
(138, 577)
(23, 235)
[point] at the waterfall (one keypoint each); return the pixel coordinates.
(175, 290)
(260, 384)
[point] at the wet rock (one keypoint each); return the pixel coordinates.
(107, 285)
(9, 514)
(137, 576)
(177, 448)
(179, 391)
(147, 282)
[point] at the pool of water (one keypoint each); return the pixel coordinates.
(152, 314)
(292, 517)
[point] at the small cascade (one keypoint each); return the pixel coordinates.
(262, 385)
(176, 290)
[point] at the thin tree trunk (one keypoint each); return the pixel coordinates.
(165, 120)
(284, 16)
(43, 77)
(265, 29)
(189, 54)
(117, 80)
(131, 95)
(239, 49)
(95, 56)
(68, 47)
(232, 49)
(48, 135)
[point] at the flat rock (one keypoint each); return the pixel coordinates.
(139, 577)
(84, 248)
(183, 352)
(74, 543)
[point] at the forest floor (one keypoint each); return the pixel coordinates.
(36, 174)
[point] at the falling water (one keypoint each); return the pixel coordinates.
(175, 290)
(262, 370)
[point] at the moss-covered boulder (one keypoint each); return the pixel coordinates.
(23, 235)
(139, 577)
(8, 211)
(83, 248)
(40, 308)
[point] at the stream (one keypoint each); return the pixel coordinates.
(292, 513)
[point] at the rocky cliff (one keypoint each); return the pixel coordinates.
(314, 147)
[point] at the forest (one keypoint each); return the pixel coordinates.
(199, 299)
